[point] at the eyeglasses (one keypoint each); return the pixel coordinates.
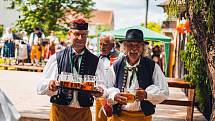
(80, 34)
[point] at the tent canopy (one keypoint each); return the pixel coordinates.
(148, 34)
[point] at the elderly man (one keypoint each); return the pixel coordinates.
(108, 54)
(140, 82)
(107, 50)
(76, 59)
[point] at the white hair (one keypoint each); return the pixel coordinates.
(111, 37)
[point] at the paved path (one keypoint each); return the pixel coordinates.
(20, 87)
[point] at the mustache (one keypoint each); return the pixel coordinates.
(134, 52)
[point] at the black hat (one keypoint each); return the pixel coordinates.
(79, 24)
(134, 35)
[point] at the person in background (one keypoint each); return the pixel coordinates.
(50, 48)
(53, 38)
(138, 77)
(22, 51)
(60, 46)
(156, 56)
(35, 42)
(108, 54)
(76, 59)
(107, 51)
(9, 45)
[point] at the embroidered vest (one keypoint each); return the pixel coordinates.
(144, 77)
(88, 66)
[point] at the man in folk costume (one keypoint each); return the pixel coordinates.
(108, 54)
(138, 75)
(107, 50)
(35, 41)
(76, 59)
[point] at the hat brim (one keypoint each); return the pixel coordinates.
(129, 40)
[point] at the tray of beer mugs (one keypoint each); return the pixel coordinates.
(69, 81)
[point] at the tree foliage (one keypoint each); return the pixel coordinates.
(1, 30)
(153, 26)
(197, 74)
(202, 19)
(102, 28)
(46, 13)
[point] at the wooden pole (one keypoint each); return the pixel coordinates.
(146, 17)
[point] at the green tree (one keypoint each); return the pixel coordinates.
(202, 17)
(1, 30)
(49, 14)
(197, 74)
(102, 28)
(154, 26)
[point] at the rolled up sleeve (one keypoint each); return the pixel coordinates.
(49, 73)
(159, 91)
(111, 90)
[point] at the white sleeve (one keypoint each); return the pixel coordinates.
(159, 91)
(49, 73)
(43, 36)
(30, 39)
(100, 72)
(111, 89)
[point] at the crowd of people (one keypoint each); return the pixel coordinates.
(120, 68)
(119, 73)
(35, 49)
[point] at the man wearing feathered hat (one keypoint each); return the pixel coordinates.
(139, 80)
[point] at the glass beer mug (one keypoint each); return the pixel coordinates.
(75, 81)
(130, 95)
(88, 82)
(64, 80)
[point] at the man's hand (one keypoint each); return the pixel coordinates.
(99, 91)
(120, 98)
(53, 85)
(141, 94)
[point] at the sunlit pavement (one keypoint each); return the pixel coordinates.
(20, 87)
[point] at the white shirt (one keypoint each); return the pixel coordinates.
(53, 39)
(156, 93)
(34, 40)
(8, 36)
(51, 70)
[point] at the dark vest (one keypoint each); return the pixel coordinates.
(88, 66)
(144, 77)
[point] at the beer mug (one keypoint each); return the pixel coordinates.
(130, 95)
(88, 82)
(64, 80)
(75, 81)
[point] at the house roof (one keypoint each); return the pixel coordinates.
(98, 17)
(101, 17)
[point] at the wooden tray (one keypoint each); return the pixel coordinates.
(80, 90)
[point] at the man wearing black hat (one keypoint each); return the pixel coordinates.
(76, 59)
(139, 80)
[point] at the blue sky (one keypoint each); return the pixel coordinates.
(131, 12)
